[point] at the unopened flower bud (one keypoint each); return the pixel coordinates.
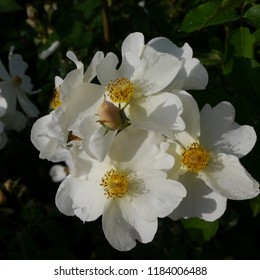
(110, 115)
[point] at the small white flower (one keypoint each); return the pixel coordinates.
(129, 188)
(17, 86)
(207, 160)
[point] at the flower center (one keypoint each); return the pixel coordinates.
(115, 184)
(195, 157)
(120, 90)
(17, 80)
(56, 102)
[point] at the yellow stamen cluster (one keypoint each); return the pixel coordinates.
(120, 90)
(115, 184)
(195, 157)
(56, 102)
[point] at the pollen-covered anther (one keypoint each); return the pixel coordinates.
(115, 184)
(120, 90)
(195, 157)
(56, 102)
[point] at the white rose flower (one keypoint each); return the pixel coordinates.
(138, 84)
(207, 160)
(53, 134)
(17, 86)
(129, 188)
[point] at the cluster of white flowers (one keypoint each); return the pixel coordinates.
(14, 87)
(136, 146)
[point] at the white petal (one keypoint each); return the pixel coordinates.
(63, 199)
(119, 233)
(220, 133)
(193, 75)
(130, 62)
(200, 202)
(155, 72)
(58, 81)
(91, 72)
(83, 198)
(135, 149)
(134, 43)
(96, 139)
(3, 105)
(28, 107)
(164, 45)
(3, 73)
(17, 65)
(72, 79)
(214, 122)
(9, 92)
(157, 196)
(16, 120)
(85, 102)
(27, 86)
(226, 176)
(190, 114)
(100, 142)
(106, 69)
(49, 138)
(165, 194)
(238, 140)
(88, 199)
(74, 58)
(160, 112)
(145, 231)
(187, 51)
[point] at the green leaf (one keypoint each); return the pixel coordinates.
(199, 229)
(240, 43)
(255, 205)
(243, 42)
(252, 16)
(7, 6)
(207, 14)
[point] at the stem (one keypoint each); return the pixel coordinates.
(106, 22)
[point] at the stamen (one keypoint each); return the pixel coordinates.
(115, 184)
(195, 157)
(120, 90)
(56, 102)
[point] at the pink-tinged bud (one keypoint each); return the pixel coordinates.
(110, 115)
